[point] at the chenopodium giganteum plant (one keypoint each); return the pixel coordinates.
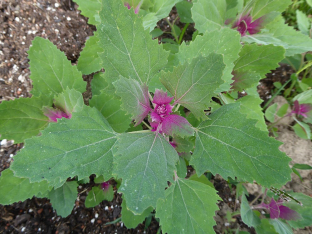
(181, 95)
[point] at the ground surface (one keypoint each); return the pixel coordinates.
(60, 22)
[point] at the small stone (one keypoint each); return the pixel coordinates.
(92, 220)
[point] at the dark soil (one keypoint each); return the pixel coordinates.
(61, 23)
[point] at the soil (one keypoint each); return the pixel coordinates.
(61, 23)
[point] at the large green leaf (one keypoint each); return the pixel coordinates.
(193, 85)
(260, 59)
(134, 97)
(225, 41)
(109, 106)
(250, 106)
(51, 72)
(63, 198)
(247, 214)
(209, 15)
(229, 144)
(131, 220)
(79, 146)
(189, 208)
(90, 9)
(145, 162)
(263, 7)
(23, 118)
(15, 189)
(89, 60)
(160, 9)
(279, 34)
(281, 227)
(128, 49)
(304, 210)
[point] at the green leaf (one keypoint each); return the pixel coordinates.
(156, 32)
(209, 15)
(89, 60)
(189, 208)
(193, 85)
(303, 130)
(184, 11)
(263, 7)
(145, 162)
(131, 220)
(304, 210)
(134, 97)
(283, 110)
(247, 214)
(101, 84)
(225, 42)
(202, 179)
(281, 227)
(160, 10)
(183, 144)
(97, 195)
(109, 106)
(23, 118)
(230, 145)
(305, 97)
(302, 166)
(15, 189)
(260, 59)
(90, 9)
(309, 2)
(250, 106)
(63, 198)
(51, 72)
(304, 23)
(181, 168)
(279, 34)
(270, 112)
(79, 146)
(129, 51)
(231, 9)
(265, 227)
(70, 101)
(244, 80)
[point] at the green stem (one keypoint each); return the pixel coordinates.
(172, 29)
(177, 108)
(142, 131)
(278, 91)
(149, 127)
(183, 32)
(113, 222)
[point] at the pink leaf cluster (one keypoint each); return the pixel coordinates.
(136, 8)
(301, 109)
(277, 210)
(162, 119)
(245, 24)
(54, 113)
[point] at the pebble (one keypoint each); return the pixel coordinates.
(56, 4)
(96, 215)
(23, 229)
(68, 18)
(92, 220)
(106, 207)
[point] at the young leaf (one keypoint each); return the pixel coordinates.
(189, 207)
(247, 214)
(101, 84)
(181, 168)
(231, 145)
(160, 10)
(177, 125)
(89, 60)
(129, 51)
(51, 72)
(184, 11)
(15, 189)
(70, 101)
(265, 227)
(193, 85)
(109, 106)
(225, 42)
(97, 195)
(63, 198)
(280, 226)
(134, 98)
(131, 220)
(202, 179)
(145, 162)
(79, 146)
(280, 34)
(304, 210)
(209, 15)
(250, 106)
(244, 80)
(263, 7)
(23, 118)
(90, 9)
(260, 59)
(270, 112)
(304, 23)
